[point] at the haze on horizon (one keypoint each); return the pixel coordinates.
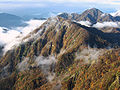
(30, 7)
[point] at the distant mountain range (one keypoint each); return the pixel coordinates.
(95, 16)
(44, 14)
(9, 20)
(92, 15)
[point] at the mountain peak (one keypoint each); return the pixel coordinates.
(93, 10)
(91, 15)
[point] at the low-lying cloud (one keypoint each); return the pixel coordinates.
(106, 24)
(100, 25)
(85, 23)
(46, 64)
(24, 65)
(11, 38)
(90, 54)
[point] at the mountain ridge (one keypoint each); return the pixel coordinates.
(92, 15)
(63, 54)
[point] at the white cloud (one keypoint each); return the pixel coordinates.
(12, 4)
(24, 65)
(20, 4)
(85, 23)
(46, 64)
(106, 24)
(90, 55)
(12, 38)
(117, 2)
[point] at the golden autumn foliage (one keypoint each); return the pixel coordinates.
(63, 42)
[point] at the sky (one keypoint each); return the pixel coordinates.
(36, 7)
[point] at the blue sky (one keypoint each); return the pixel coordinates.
(24, 7)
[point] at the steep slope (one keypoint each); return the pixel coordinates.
(106, 18)
(91, 15)
(51, 51)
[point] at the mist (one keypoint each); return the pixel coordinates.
(46, 64)
(90, 55)
(24, 65)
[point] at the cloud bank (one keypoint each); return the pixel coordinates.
(11, 38)
(106, 24)
(85, 23)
